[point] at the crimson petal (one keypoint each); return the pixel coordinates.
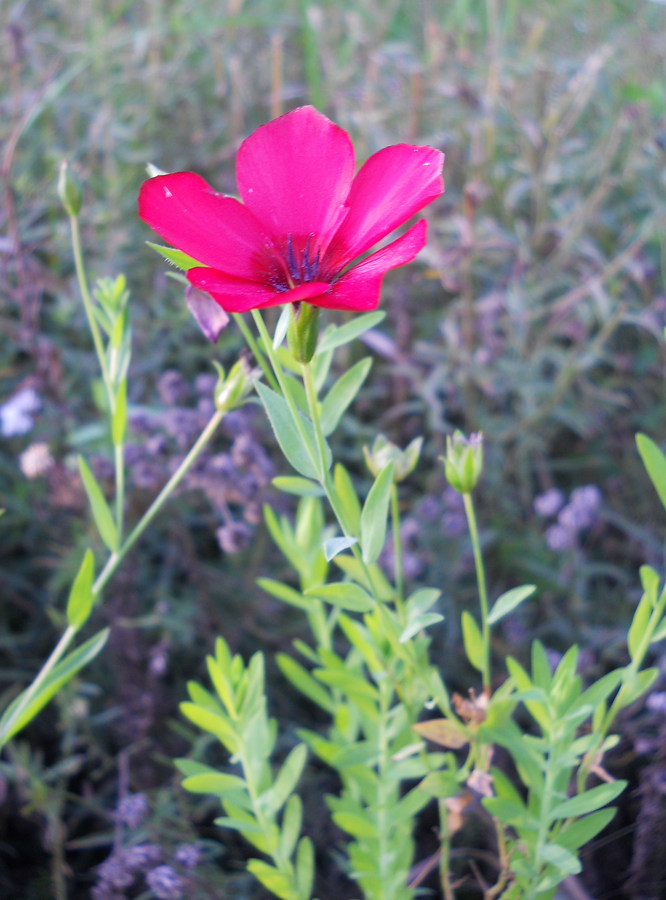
(240, 295)
(393, 184)
(360, 287)
(295, 173)
(214, 229)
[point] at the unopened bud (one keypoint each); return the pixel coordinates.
(384, 451)
(463, 462)
(303, 331)
(69, 190)
(232, 389)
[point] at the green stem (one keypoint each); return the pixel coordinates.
(116, 558)
(481, 582)
(284, 387)
(254, 347)
(397, 553)
(313, 407)
(119, 456)
(88, 305)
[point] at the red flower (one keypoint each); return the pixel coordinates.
(304, 218)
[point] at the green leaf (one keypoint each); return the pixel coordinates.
(285, 783)
(579, 832)
(337, 336)
(356, 825)
(301, 487)
(290, 830)
(212, 722)
(563, 859)
(637, 685)
(639, 624)
(214, 783)
(421, 601)
(284, 592)
(81, 595)
(272, 879)
(473, 641)
(305, 860)
(298, 452)
(176, 257)
(588, 801)
(345, 595)
(509, 601)
(17, 715)
(655, 464)
(342, 394)
(347, 681)
(419, 623)
(304, 682)
(375, 512)
(348, 497)
(100, 508)
(336, 545)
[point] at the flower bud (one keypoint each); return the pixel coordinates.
(303, 331)
(69, 190)
(463, 462)
(384, 451)
(232, 389)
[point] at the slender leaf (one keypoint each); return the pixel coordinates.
(509, 601)
(588, 801)
(304, 682)
(81, 595)
(215, 783)
(473, 641)
(419, 623)
(301, 487)
(17, 715)
(345, 595)
(176, 257)
(337, 336)
(342, 394)
(100, 508)
(299, 451)
(336, 545)
(375, 512)
(654, 461)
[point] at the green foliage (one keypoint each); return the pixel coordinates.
(254, 799)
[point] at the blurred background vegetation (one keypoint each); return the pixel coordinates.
(536, 316)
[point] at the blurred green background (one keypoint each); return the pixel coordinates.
(535, 315)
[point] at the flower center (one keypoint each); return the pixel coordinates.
(303, 265)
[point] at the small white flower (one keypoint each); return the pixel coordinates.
(36, 460)
(16, 415)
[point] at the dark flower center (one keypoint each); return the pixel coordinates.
(303, 265)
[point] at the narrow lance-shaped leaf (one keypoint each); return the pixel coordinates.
(296, 443)
(342, 394)
(374, 515)
(473, 641)
(336, 337)
(81, 596)
(100, 508)
(654, 461)
(17, 716)
(509, 601)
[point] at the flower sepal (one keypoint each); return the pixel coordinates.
(463, 462)
(303, 331)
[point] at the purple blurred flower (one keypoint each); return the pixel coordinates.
(165, 883)
(549, 503)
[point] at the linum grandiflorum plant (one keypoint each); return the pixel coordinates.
(396, 738)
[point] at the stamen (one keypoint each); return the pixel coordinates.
(291, 259)
(306, 261)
